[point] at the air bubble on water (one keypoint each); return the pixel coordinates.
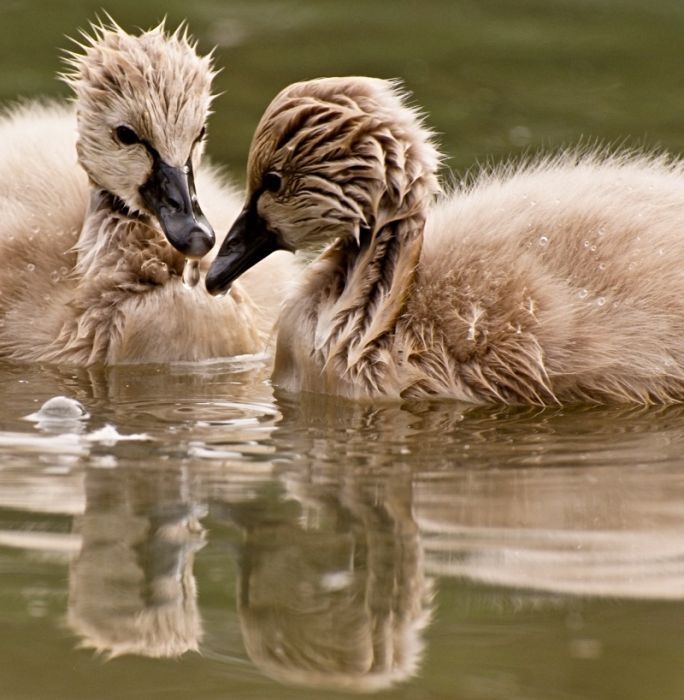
(601, 231)
(62, 407)
(600, 301)
(63, 270)
(593, 248)
(543, 241)
(586, 244)
(54, 276)
(602, 266)
(191, 273)
(60, 414)
(30, 267)
(582, 294)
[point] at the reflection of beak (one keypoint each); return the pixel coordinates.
(247, 242)
(170, 194)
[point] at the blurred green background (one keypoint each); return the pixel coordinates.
(497, 77)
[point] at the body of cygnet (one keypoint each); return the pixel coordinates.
(553, 282)
(101, 216)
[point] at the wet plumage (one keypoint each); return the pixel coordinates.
(99, 214)
(557, 281)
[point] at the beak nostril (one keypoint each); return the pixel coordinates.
(170, 194)
(174, 204)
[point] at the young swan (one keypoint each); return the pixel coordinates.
(560, 281)
(92, 264)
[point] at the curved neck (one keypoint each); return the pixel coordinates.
(118, 256)
(368, 288)
(114, 238)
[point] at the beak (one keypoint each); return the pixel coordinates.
(247, 242)
(170, 194)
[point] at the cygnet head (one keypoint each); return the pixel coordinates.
(142, 103)
(330, 158)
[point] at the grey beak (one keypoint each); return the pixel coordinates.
(247, 242)
(170, 193)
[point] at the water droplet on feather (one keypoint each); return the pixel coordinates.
(191, 273)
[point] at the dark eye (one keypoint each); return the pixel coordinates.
(272, 182)
(126, 135)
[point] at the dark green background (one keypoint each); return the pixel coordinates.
(497, 77)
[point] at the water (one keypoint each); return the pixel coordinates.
(192, 534)
(284, 546)
(191, 273)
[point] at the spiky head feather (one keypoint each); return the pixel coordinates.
(155, 83)
(351, 152)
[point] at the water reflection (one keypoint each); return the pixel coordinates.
(369, 538)
(583, 502)
(131, 586)
(332, 590)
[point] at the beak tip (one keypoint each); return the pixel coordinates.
(213, 284)
(199, 242)
(169, 194)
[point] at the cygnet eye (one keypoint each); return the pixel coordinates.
(272, 182)
(126, 135)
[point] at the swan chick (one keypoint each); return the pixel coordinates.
(142, 105)
(552, 282)
(95, 254)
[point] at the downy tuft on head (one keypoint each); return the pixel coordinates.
(152, 88)
(333, 156)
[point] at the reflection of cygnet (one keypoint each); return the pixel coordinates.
(131, 588)
(335, 596)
